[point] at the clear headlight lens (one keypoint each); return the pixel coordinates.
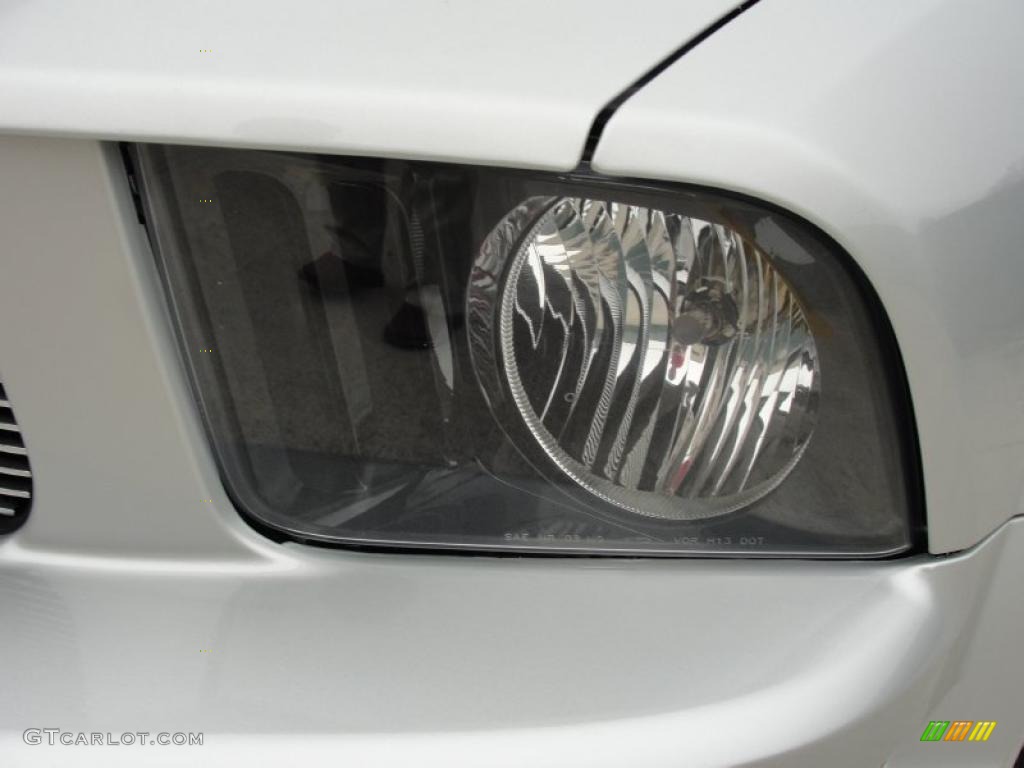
(659, 360)
(398, 354)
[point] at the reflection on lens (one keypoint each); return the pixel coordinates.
(658, 360)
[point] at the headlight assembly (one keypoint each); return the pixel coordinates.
(419, 355)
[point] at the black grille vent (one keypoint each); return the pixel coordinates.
(15, 474)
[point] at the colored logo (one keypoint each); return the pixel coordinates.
(958, 730)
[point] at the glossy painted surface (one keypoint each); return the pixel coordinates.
(372, 660)
(507, 84)
(895, 127)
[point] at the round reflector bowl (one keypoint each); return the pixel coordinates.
(658, 360)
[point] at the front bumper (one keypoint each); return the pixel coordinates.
(320, 657)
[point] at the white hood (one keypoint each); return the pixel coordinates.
(514, 83)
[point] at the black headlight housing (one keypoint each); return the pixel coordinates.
(402, 354)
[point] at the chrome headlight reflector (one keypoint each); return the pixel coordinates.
(658, 359)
